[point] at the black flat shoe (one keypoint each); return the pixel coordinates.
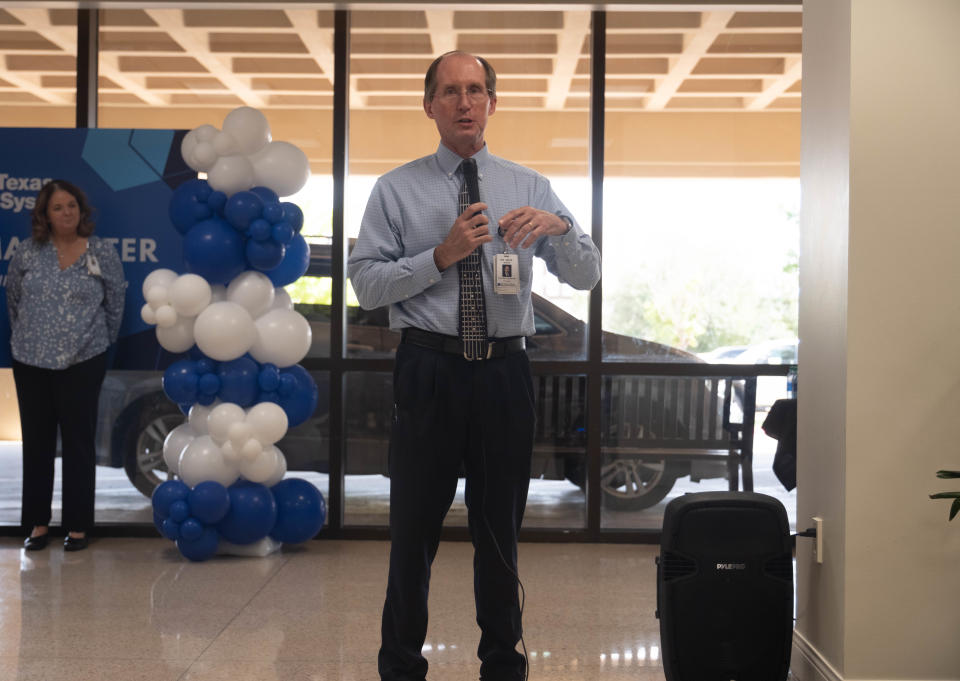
(75, 543)
(36, 543)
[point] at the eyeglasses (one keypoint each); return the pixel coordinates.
(474, 93)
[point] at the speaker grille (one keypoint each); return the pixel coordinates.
(780, 567)
(676, 566)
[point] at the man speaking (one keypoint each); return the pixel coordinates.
(447, 241)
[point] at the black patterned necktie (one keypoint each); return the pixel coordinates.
(472, 320)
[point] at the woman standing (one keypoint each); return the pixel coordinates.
(65, 291)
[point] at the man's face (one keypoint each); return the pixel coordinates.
(461, 105)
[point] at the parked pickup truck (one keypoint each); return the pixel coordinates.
(654, 429)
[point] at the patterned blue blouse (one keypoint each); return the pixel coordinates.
(62, 317)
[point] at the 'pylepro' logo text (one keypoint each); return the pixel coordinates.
(731, 566)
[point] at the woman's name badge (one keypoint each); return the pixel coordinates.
(93, 267)
(506, 269)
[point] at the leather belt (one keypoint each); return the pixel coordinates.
(495, 348)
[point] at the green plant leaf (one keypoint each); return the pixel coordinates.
(945, 495)
(948, 474)
(954, 508)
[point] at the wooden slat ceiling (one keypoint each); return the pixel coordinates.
(283, 58)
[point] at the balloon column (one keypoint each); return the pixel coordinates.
(241, 385)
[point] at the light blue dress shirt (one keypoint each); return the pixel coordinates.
(62, 317)
(410, 212)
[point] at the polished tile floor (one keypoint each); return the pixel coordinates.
(131, 609)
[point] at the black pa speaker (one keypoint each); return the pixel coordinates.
(725, 588)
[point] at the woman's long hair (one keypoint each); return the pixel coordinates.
(40, 223)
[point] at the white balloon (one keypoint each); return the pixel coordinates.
(179, 337)
(269, 422)
(157, 296)
(281, 300)
(202, 460)
(188, 148)
(231, 174)
(166, 316)
(205, 132)
(147, 314)
(161, 277)
(280, 470)
(262, 467)
(198, 416)
(225, 331)
(225, 144)
(239, 434)
(249, 128)
(253, 290)
(251, 450)
(282, 167)
(221, 418)
(173, 445)
(282, 337)
(189, 294)
(218, 293)
(204, 157)
(229, 453)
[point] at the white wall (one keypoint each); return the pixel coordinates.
(880, 384)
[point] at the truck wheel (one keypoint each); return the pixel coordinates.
(142, 427)
(636, 483)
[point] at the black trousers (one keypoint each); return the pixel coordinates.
(64, 399)
(451, 413)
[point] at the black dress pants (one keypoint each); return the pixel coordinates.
(64, 399)
(451, 413)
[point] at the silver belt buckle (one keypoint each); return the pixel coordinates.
(466, 351)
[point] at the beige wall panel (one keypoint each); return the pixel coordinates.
(37, 117)
(672, 144)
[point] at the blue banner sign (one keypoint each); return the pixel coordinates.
(128, 177)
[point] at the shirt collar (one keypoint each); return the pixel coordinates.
(450, 161)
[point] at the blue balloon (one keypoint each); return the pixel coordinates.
(272, 212)
(171, 529)
(243, 208)
(301, 511)
(208, 384)
(217, 202)
(188, 204)
(268, 195)
(179, 510)
(191, 529)
(205, 365)
(238, 381)
(158, 522)
(214, 250)
(269, 377)
(292, 215)
(264, 255)
(165, 494)
(209, 502)
(180, 382)
(260, 230)
(295, 262)
(269, 396)
(288, 384)
(184, 408)
(201, 548)
(302, 401)
(252, 514)
(206, 400)
(282, 233)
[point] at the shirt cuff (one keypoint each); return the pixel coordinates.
(425, 270)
